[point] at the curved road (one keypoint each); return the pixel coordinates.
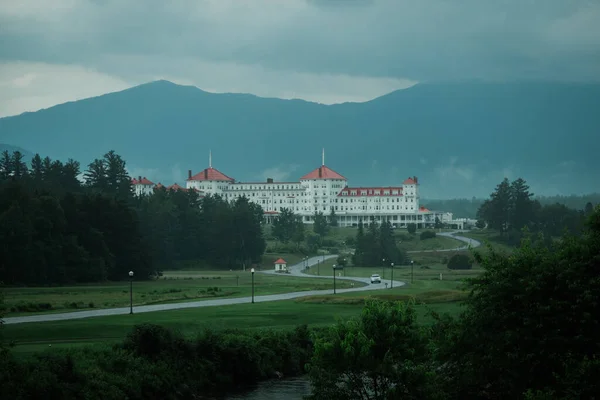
(295, 270)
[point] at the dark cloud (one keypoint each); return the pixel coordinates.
(422, 40)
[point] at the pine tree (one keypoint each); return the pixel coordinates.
(333, 218)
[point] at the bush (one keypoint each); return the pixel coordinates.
(460, 261)
(156, 363)
(412, 228)
(427, 235)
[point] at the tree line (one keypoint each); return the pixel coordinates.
(376, 246)
(59, 224)
(512, 207)
(467, 208)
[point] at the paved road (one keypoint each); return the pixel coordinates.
(296, 270)
(454, 235)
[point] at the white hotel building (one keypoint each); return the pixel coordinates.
(320, 190)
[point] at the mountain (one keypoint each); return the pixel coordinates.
(460, 139)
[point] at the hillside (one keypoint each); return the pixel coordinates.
(460, 139)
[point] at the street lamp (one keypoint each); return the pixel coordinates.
(130, 292)
(392, 281)
(383, 269)
(252, 270)
(306, 262)
(412, 271)
(333, 278)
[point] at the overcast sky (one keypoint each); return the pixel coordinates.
(52, 51)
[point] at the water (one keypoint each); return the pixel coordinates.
(277, 389)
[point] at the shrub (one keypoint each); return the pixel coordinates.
(411, 228)
(427, 235)
(460, 261)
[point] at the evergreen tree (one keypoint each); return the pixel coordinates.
(320, 225)
(285, 225)
(333, 218)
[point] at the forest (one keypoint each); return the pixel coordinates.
(513, 211)
(57, 228)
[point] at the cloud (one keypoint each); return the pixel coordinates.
(280, 173)
(453, 172)
(324, 50)
(33, 86)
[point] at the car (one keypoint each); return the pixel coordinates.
(375, 278)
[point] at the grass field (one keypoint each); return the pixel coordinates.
(491, 237)
(401, 273)
(436, 243)
(174, 286)
(314, 311)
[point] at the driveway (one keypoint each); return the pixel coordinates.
(295, 270)
(469, 243)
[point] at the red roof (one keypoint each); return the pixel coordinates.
(271, 212)
(141, 181)
(158, 186)
(322, 172)
(280, 261)
(411, 181)
(210, 174)
(371, 191)
(175, 187)
(423, 209)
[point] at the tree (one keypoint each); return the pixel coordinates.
(438, 224)
(320, 225)
(333, 219)
(359, 246)
(523, 208)
(380, 355)
(387, 241)
(411, 228)
(109, 175)
(496, 211)
(284, 225)
(589, 208)
(480, 224)
(460, 261)
(530, 323)
(248, 234)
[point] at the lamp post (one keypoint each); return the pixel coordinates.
(412, 270)
(318, 269)
(252, 271)
(130, 292)
(333, 278)
(306, 262)
(392, 281)
(383, 269)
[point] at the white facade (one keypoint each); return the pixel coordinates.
(321, 191)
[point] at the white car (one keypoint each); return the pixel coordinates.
(375, 278)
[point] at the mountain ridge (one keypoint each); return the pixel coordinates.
(460, 139)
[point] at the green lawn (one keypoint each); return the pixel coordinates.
(401, 273)
(491, 236)
(32, 337)
(436, 243)
(174, 286)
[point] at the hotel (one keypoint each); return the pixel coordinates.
(321, 190)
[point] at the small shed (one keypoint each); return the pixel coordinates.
(280, 265)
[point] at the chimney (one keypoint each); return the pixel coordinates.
(416, 179)
(139, 179)
(206, 174)
(189, 174)
(269, 180)
(320, 172)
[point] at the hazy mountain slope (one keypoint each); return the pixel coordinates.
(460, 139)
